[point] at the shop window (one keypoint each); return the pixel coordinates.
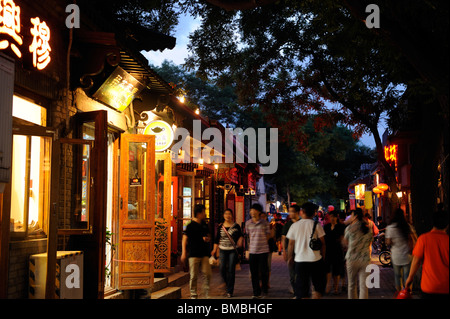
(30, 185)
(76, 182)
(137, 192)
(159, 177)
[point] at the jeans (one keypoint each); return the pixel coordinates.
(195, 263)
(259, 269)
(400, 270)
(292, 276)
(227, 267)
(357, 270)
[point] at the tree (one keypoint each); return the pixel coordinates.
(214, 102)
(293, 56)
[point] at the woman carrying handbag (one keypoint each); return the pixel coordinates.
(229, 238)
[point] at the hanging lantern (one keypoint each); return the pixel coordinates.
(376, 190)
(330, 208)
(383, 187)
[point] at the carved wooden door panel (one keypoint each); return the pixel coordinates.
(136, 212)
(163, 195)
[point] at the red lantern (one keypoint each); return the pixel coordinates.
(330, 208)
(376, 190)
(383, 187)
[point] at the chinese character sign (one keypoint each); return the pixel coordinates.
(10, 34)
(390, 154)
(40, 46)
(10, 26)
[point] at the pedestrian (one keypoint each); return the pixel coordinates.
(227, 242)
(294, 216)
(334, 258)
(258, 231)
(195, 247)
(432, 251)
(375, 230)
(342, 217)
(381, 224)
(272, 245)
(358, 236)
(401, 237)
(278, 230)
(309, 264)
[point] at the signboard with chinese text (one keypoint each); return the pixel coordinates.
(391, 154)
(14, 28)
(119, 89)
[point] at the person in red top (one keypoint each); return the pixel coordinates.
(432, 249)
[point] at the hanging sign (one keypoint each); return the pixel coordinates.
(119, 89)
(163, 134)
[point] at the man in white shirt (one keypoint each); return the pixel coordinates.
(308, 263)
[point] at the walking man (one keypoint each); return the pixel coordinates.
(432, 251)
(294, 216)
(309, 264)
(258, 231)
(195, 244)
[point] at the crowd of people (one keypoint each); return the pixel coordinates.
(326, 252)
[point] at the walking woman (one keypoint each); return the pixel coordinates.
(359, 237)
(401, 237)
(229, 238)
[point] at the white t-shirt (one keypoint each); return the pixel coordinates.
(300, 232)
(400, 247)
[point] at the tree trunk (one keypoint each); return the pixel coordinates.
(424, 170)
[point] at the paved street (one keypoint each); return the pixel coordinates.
(279, 283)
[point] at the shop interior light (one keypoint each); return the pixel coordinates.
(399, 194)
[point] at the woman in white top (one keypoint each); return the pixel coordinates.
(400, 236)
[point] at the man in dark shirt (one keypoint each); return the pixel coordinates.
(294, 215)
(195, 245)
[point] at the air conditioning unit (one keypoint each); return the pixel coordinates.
(69, 275)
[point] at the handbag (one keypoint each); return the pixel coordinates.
(315, 243)
(233, 243)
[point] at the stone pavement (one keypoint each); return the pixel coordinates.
(279, 283)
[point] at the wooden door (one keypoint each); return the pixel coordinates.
(163, 195)
(174, 220)
(136, 212)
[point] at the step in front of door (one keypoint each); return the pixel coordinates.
(167, 293)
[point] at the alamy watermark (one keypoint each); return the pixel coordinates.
(259, 148)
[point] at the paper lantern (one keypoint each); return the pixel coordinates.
(330, 208)
(383, 187)
(368, 203)
(376, 190)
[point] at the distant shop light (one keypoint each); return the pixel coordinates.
(197, 111)
(399, 194)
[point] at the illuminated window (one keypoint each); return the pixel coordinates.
(30, 184)
(29, 111)
(30, 180)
